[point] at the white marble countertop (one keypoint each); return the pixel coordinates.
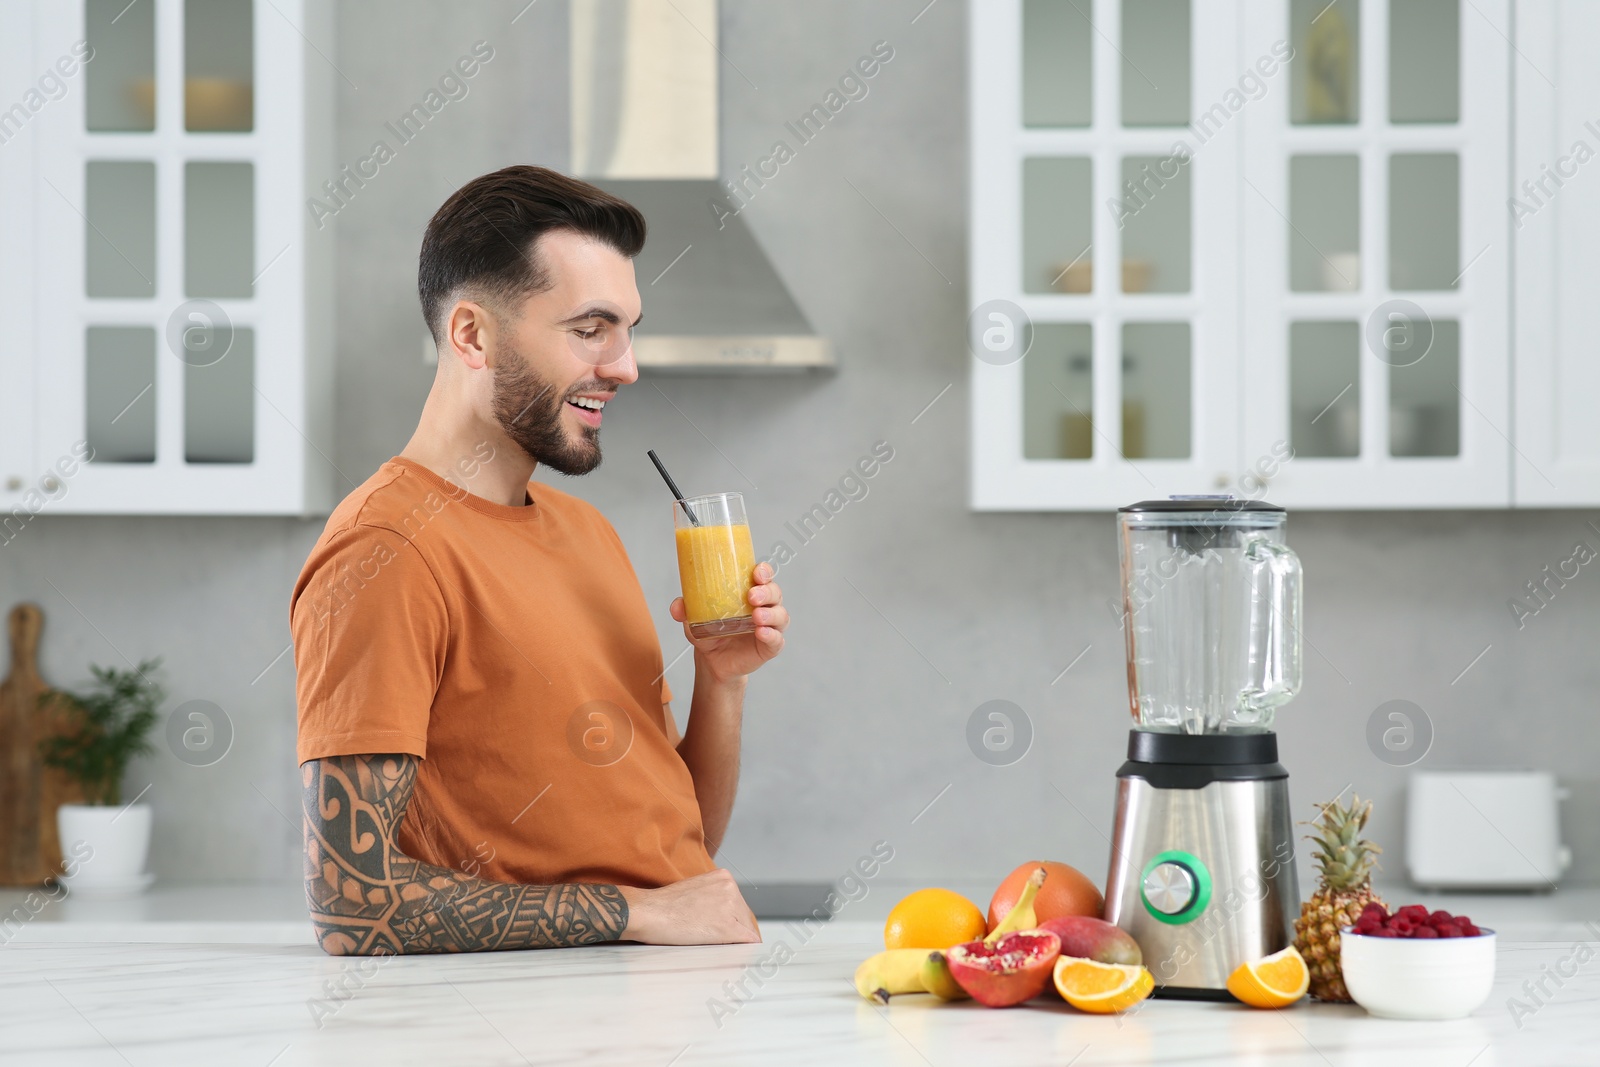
(176, 978)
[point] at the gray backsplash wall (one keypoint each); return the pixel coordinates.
(909, 610)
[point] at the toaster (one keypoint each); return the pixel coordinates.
(1485, 830)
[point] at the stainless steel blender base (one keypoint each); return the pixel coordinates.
(1203, 879)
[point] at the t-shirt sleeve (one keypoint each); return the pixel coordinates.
(370, 627)
(610, 532)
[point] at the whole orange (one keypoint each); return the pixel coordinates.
(933, 918)
(1065, 892)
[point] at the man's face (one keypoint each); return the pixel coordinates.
(566, 352)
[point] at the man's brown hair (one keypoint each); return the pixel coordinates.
(480, 243)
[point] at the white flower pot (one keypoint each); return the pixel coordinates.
(103, 848)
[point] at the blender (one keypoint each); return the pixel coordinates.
(1202, 870)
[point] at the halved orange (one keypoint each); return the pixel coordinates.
(1273, 982)
(1101, 987)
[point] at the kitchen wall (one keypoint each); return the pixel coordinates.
(909, 610)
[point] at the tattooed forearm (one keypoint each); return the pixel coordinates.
(368, 898)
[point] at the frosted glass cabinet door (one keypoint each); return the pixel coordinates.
(1376, 263)
(1104, 220)
(1264, 248)
(185, 288)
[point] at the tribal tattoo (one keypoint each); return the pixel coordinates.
(368, 898)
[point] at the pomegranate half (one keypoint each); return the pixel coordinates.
(1015, 968)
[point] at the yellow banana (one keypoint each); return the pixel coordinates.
(936, 978)
(1020, 917)
(895, 970)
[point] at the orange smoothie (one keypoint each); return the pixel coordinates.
(715, 564)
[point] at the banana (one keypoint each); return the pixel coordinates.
(1020, 917)
(895, 970)
(936, 978)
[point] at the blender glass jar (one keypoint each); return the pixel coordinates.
(1211, 613)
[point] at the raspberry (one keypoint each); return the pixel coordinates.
(1440, 917)
(1468, 930)
(1401, 926)
(1375, 909)
(1368, 924)
(1424, 931)
(1385, 932)
(1462, 921)
(1415, 913)
(1447, 930)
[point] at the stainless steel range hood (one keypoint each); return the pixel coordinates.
(644, 126)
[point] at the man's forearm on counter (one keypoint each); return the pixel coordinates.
(366, 897)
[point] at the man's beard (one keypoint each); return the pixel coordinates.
(530, 411)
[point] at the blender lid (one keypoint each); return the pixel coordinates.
(1200, 504)
(1198, 523)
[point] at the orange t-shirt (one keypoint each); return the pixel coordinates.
(510, 648)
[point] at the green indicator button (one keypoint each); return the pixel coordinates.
(1175, 887)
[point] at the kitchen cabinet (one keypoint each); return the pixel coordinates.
(1303, 206)
(1129, 303)
(176, 351)
(1555, 220)
(1378, 264)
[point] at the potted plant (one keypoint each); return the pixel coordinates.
(104, 728)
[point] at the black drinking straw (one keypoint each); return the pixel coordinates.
(687, 510)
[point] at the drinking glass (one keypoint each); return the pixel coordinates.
(716, 564)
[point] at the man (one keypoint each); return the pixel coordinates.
(487, 748)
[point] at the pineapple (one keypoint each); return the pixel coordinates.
(1345, 863)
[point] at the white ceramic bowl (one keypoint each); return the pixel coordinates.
(1411, 978)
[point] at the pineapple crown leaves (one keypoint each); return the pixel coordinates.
(1343, 857)
(104, 728)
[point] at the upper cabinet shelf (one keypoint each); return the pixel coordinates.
(1261, 249)
(178, 352)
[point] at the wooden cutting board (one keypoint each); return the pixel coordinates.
(30, 793)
